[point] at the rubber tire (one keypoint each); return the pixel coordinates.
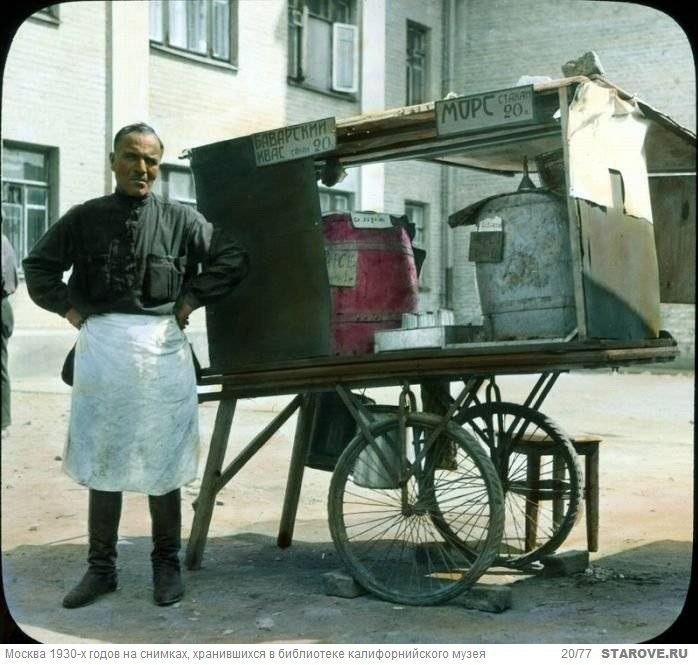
(490, 412)
(350, 553)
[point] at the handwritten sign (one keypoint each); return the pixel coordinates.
(371, 220)
(487, 110)
(341, 266)
(490, 224)
(295, 142)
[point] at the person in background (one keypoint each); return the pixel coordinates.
(134, 410)
(9, 286)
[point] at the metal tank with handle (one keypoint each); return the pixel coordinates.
(521, 249)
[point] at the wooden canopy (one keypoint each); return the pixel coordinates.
(410, 132)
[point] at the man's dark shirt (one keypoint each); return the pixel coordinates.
(132, 256)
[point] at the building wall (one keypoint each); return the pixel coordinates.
(54, 87)
(194, 103)
(412, 180)
(191, 103)
(642, 50)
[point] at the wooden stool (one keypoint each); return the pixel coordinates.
(586, 446)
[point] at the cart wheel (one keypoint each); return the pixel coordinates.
(381, 508)
(539, 473)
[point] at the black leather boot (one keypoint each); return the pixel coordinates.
(166, 515)
(103, 525)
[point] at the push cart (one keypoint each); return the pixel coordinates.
(423, 500)
(448, 531)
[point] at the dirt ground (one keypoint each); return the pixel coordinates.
(250, 591)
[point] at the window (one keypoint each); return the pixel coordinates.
(25, 197)
(417, 212)
(416, 89)
(332, 200)
(48, 14)
(176, 184)
(200, 27)
(323, 44)
(418, 215)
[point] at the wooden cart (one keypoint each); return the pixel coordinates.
(420, 504)
(489, 424)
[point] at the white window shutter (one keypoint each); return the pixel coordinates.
(304, 43)
(177, 23)
(155, 9)
(197, 28)
(221, 29)
(345, 57)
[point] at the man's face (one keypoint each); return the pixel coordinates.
(136, 163)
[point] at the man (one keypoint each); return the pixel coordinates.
(9, 286)
(133, 420)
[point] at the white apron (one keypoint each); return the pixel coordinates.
(134, 413)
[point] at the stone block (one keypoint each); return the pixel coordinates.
(486, 598)
(338, 583)
(565, 563)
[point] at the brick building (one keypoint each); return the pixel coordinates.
(207, 70)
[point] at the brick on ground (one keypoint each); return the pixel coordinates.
(486, 598)
(338, 583)
(565, 563)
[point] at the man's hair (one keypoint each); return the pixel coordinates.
(138, 128)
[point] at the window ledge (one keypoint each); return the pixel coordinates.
(344, 96)
(45, 18)
(187, 55)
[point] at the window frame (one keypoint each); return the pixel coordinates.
(334, 194)
(423, 242)
(341, 32)
(163, 40)
(411, 98)
(163, 183)
(47, 186)
(424, 207)
(49, 14)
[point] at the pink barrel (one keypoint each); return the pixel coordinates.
(373, 281)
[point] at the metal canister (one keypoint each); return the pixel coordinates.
(380, 470)
(524, 266)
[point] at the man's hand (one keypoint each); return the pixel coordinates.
(182, 315)
(75, 318)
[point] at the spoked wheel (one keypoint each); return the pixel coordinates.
(539, 473)
(384, 497)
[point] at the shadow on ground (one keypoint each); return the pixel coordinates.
(250, 591)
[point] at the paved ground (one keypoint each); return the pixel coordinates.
(249, 591)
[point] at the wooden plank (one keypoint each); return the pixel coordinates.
(270, 211)
(301, 444)
(620, 274)
(251, 448)
(674, 216)
(374, 373)
(203, 505)
(574, 224)
(423, 144)
(391, 118)
(591, 497)
(462, 351)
